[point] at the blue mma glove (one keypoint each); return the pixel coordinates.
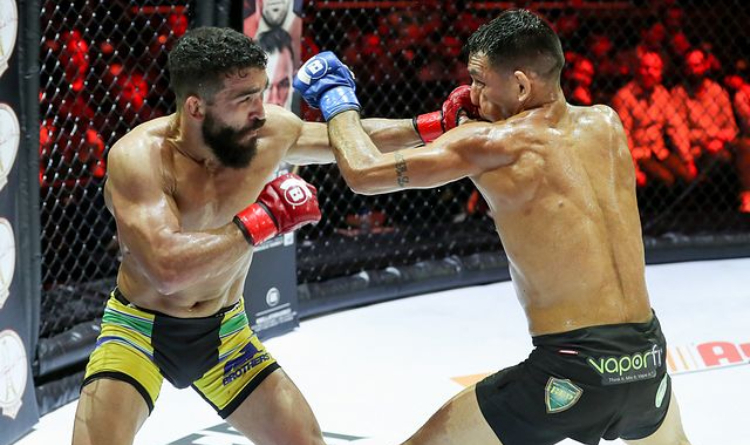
(326, 83)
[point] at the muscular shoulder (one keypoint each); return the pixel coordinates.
(604, 117)
(138, 158)
(282, 125)
(602, 123)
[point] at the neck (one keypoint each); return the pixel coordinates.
(188, 141)
(546, 97)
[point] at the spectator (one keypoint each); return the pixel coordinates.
(705, 107)
(74, 57)
(611, 68)
(130, 89)
(741, 102)
(646, 109)
(600, 50)
(171, 30)
(68, 157)
(446, 65)
(579, 79)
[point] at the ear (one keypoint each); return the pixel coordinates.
(524, 85)
(194, 107)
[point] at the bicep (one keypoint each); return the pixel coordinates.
(145, 214)
(460, 153)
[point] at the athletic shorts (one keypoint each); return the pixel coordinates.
(600, 382)
(219, 356)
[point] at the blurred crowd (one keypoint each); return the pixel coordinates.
(94, 88)
(684, 105)
(103, 71)
(685, 108)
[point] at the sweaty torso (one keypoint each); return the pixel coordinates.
(566, 212)
(204, 199)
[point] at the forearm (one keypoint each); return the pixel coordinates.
(353, 149)
(180, 260)
(314, 145)
(390, 135)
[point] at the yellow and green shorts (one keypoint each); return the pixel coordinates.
(219, 356)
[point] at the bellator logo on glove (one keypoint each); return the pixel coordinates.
(296, 192)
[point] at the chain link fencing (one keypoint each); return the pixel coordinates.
(103, 71)
(408, 55)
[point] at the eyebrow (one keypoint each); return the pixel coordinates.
(475, 72)
(252, 90)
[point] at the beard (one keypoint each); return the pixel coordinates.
(227, 143)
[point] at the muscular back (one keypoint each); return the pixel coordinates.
(566, 211)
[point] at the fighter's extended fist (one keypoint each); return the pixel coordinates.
(431, 125)
(326, 83)
(285, 204)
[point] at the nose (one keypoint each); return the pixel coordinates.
(257, 110)
(474, 94)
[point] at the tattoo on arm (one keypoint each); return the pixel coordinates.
(401, 176)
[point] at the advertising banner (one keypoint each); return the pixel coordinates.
(18, 409)
(271, 286)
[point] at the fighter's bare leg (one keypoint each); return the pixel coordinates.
(109, 412)
(670, 432)
(276, 413)
(458, 422)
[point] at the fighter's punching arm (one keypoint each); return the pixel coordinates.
(465, 151)
(388, 135)
(313, 146)
(326, 83)
(173, 258)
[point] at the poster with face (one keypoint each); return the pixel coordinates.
(277, 27)
(271, 290)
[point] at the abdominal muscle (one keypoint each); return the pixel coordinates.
(201, 300)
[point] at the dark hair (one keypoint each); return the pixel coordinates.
(519, 39)
(202, 55)
(275, 40)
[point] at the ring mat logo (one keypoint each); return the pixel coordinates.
(226, 435)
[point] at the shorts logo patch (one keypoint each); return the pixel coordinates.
(248, 358)
(661, 392)
(560, 395)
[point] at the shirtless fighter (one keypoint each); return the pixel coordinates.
(188, 192)
(560, 184)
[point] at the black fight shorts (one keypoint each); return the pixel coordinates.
(601, 382)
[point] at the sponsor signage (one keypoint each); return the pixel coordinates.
(271, 287)
(18, 409)
(681, 359)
